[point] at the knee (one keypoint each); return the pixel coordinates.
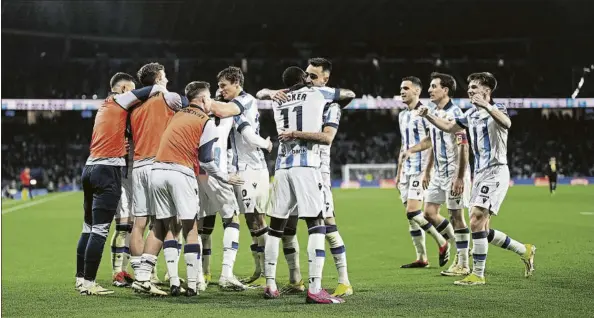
(478, 220)
(100, 229)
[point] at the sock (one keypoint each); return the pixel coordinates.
(118, 247)
(291, 251)
(94, 250)
(261, 236)
(192, 257)
(501, 239)
(271, 258)
(338, 253)
(254, 249)
(206, 251)
(418, 217)
(462, 238)
(126, 259)
(316, 255)
(81, 248)
(418, 238)
(479, 256)
(172, 260)
(230, 246)
(135, 264)
(147, 263)
(446, 230)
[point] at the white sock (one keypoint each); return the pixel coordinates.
(462, 241)
(479, 256)
(260, 250)
(316, 254)
(447, 231)
(206, 251)
(147, 263)
(338, 253)
(135, 264)
(192, 257)
(271, 259)
(291, 251)
(230, 245)
(126, 260)
(501, 239)
(171, 255)
(87, 283)
(418, 217)
(418, 238)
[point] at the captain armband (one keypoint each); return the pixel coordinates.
(461, 138)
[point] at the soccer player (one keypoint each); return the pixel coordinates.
(318, 72)
(102, 177)
(552, 174)
(26, 182)
(249, 162)
(450, 184)
(413, 129)
(175, 188)
(298, 180)
(148, 122)
(488, 124)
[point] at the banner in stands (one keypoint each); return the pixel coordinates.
(359, 103)
(390, 184)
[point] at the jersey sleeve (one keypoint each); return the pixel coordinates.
(133, 97)
(206, 153)
(462, 121)
(175, 101)
(240, 122)
(244, 102)
(502, 108)
(330, 94)
(332, 116)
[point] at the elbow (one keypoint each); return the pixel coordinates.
(349, 94)
(326, 141)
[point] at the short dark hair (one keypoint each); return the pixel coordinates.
(293, 75)
(484, 78)
(320, 61)
(415, 80)
(120, 76)
(445, 80)
(233, 74)
(147, 74)
(193, 89)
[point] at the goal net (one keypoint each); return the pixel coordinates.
(369, 175)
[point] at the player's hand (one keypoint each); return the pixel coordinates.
(286, 135)
(207, 102)
(426, 179)
(479, 101)
(281, 96)
(458, 187)
(269, 144)
(235, 180)
(405, 155)
(423, 111)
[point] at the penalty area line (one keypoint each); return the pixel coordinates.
(36, 202)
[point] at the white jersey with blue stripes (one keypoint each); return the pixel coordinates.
(413, 128)
(219, 149)
(244, 155)
(445, 145)
(302, 112)
(332, 114)
(487, 138)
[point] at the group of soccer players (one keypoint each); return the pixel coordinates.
(433, 167)
(169, 163)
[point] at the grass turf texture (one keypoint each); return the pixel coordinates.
(39, 244)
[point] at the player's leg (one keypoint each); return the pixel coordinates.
(171, 252)
(87, 224)
(412, 193)
(479, 217)
(192, 256)
(283, 199)
(208, 224)
(291, 251)
(120, 240)
(106, 180)
(434, 219)
(457, 230)
(140, 199)
(228, 281)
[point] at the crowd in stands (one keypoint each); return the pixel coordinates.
(55, 147)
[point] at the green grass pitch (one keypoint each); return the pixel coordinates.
(39, 244)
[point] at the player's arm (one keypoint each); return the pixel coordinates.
(323, 138)
(131, 98)
(448, 126)
(500, 116)
(205, 154)
(247, 131)
(424, 144)
(341, 96)
(175, 101)
(462, 141)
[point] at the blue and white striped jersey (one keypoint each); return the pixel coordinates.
(244, 155)
(332, 114)
(445, 152)
(487, 138)
(303, 112)
(219, 149)
(413, 128)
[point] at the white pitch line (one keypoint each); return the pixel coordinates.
(587, 213)
(36, 202)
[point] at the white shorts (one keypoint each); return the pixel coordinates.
(410, 187)
(141, 194)
(174, 194)
(439, 192)
(490, 187)
(300, 186)
(328, 198)
(126, 202)
(216, 196)
(254, 193)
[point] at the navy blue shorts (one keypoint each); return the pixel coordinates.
(102, 186)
